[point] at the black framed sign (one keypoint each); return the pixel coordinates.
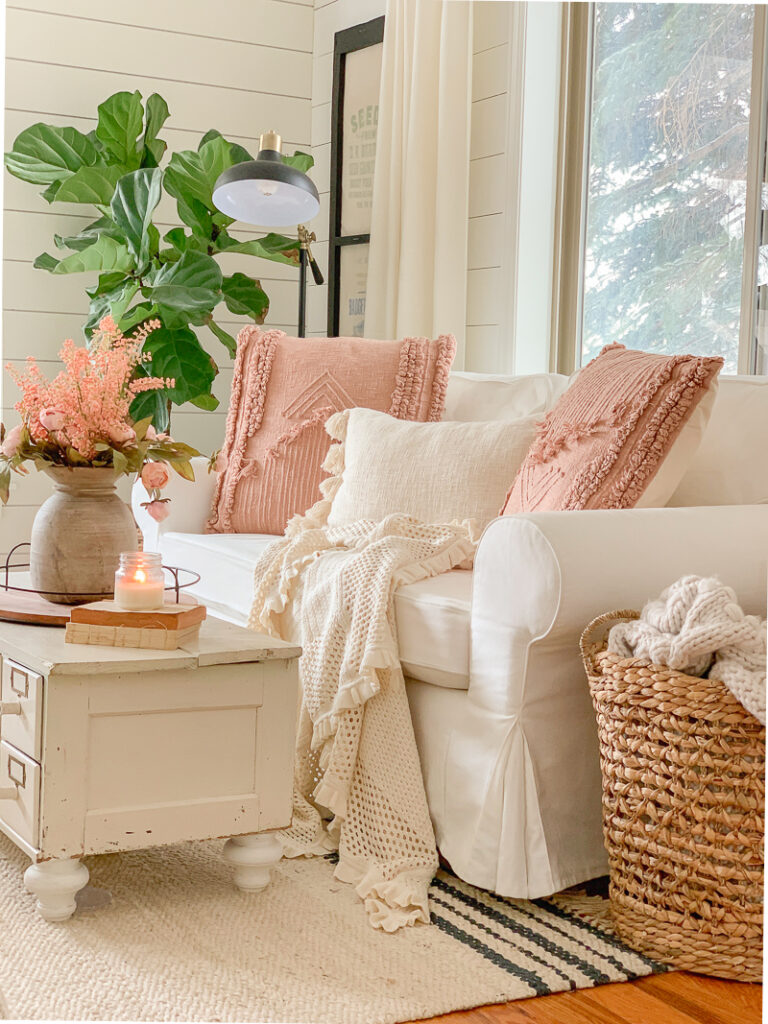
(354, 122)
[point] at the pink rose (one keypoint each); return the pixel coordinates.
(151, 434)
(121, 433)
(159, 510)
(221, 462)
(52, 419)
(155, 475)
(10, 445)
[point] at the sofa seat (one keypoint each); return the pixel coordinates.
(432, 616)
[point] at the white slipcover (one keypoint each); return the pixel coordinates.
(499, 699)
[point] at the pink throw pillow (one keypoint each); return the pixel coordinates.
(283, 391)
(609, 433)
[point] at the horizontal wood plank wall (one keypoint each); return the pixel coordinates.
(488, 188)
(331, 16)
(241, 66)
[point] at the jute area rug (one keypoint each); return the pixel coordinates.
(179, 942)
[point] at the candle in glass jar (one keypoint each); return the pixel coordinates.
(139, 582)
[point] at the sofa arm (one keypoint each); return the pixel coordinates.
(189, 507)
(540, 578)
(523, 771)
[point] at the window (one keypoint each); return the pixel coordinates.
(667, 253)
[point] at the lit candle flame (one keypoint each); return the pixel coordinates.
(140, 576)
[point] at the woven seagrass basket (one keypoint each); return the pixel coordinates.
(683, 811)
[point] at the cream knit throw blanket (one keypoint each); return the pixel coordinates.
(331, 589)
(697, 626)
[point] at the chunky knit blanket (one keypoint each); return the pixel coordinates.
(697, 626)
(331, 589)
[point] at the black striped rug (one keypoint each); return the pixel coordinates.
(546, 945)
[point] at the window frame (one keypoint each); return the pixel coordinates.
(349, 40)
(572, 179)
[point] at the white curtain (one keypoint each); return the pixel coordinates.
(417, 269)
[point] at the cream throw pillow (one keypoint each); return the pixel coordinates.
(435, 472)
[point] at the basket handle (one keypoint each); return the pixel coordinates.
(593, 636)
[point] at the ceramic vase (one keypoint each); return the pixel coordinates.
(78, 535)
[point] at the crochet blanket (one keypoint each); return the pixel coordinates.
(697, 626)
(331, 589)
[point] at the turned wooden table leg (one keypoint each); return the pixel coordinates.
(253, 858)
(55, 883)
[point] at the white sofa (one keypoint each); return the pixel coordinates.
(498, 695)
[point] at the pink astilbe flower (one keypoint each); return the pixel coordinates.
(90, 399)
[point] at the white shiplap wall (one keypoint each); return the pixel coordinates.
(241, 66)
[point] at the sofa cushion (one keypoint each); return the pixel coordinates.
(731, 464)
(432, 616)
(485, 396)
(283, 391)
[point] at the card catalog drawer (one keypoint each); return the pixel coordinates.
(21, 710)
(19, 793)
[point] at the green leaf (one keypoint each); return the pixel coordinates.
(207, 402)
(157, 115)
(301, 161)
(112, 303)
(238, 153)
(277, 248)
(143, 311)
(190, 177)
(102, 226)
(244, 296)
(192, 284)
(106, 283)
(44, 154)
(46, 262)
(5, 483)
(154, 404)
(178, 354)
(136, 196)
(140, 426)
(184, 469)
(94, 185)
(103, 254)
(120, 120)
(226, 339)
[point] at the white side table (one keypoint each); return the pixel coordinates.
(105, 749)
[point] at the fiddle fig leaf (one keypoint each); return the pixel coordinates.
(46, 262)
(226, 339)
(244, 296)
(94, 185)
(273, 247)
(301, 161)
(178, 354)
(44, 154)
(153, 404)
(136, 196)
(207, 402)
(104, 254)
(112, 303)
(143, 311)
(157, 115)
(102, 226)
(106, 283)
(120, 121)
(192, 284)
(190, 177)
(238, 153)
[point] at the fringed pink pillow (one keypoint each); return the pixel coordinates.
(622, 435)
(283, 391)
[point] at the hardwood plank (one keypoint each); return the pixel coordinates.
(674, 998)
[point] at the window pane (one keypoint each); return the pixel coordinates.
(362, 75)
(667, 178)
(761, 313)
(352, 282)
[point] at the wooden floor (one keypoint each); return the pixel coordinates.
(674, 998)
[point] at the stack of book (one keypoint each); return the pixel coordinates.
(105, 624)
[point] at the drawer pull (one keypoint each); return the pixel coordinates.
(17, 771)
(10, 707)
(19, 681)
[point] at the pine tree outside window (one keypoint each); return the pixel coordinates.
(672, 201)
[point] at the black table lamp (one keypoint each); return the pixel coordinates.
(268, 193)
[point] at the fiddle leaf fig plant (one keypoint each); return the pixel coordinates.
(141, 274)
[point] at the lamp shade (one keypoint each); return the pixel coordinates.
(265, 191)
